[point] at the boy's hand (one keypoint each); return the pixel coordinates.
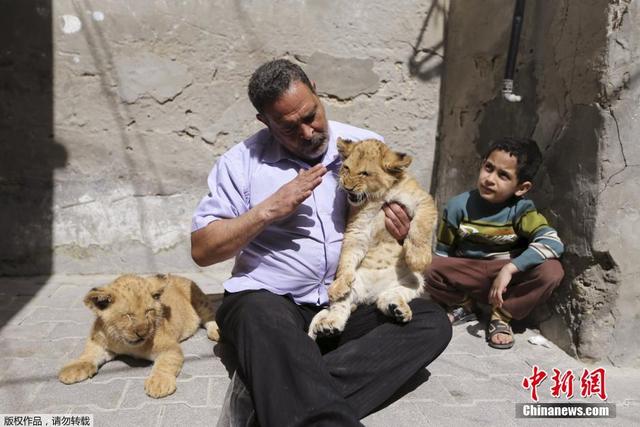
(500, 284)
(396, 220)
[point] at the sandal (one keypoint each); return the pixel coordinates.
(461, 315)
(495, 327)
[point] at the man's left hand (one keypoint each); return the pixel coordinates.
(396, 220)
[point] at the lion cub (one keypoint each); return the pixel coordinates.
(373, 266)
(145, 318)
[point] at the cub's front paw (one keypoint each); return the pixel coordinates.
(160, 385)
(213, 332)
(340, 287)
(401, 313)
(326, 323)
(417, 256)
(77, 371)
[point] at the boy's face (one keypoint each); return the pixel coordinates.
(498, 180)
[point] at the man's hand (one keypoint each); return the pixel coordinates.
(396, 220)
(286, 200)
(500, 284)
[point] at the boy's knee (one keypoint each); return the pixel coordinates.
(551, 272)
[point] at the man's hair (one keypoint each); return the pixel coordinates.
(526, 152)
(272, 79)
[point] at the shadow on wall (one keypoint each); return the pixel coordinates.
(29, 154)
(426, 63)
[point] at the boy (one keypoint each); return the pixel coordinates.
(494, 247)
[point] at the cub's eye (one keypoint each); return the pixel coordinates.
(346, 168)
(364, 173)
(156, 296)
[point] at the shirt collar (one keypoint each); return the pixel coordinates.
(274, 152)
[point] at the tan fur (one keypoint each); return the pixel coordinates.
(374, 267)
(145, 318)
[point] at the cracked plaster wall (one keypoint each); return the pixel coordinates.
(146, 95)
(578, 74)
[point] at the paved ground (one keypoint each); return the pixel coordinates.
(45, 324)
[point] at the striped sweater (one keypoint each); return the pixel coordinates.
(471, 227)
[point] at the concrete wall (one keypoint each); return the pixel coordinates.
(578, 75)
(140, 98)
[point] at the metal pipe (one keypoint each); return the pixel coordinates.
(516, 29)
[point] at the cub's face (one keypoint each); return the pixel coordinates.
(129, 308)
(369, 169)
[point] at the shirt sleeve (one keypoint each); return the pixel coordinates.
(543, 239)
(447, 231)
(227, 197)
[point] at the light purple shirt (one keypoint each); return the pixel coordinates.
(297, 255)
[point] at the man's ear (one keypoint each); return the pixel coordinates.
(395, 162)
(98, 299)
(523, 188)
(345, 147)
(263, 119)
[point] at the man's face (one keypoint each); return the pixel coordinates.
(498, 180)
(298, 122)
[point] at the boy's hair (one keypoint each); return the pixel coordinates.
(526, 152)
(272, 79)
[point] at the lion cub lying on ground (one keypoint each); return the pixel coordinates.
(374, 267)
(145, 318)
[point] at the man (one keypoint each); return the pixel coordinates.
(275, 205)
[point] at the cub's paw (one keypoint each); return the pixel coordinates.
(77, 371)
(397, 309)
(417, 257)
(326, 324)
(160, 385)
(340, 287)
(213, 332)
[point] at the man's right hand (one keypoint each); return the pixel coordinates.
(286, 200)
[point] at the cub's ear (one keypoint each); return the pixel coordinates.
(395, 162)
(345, 146)
(98, 299)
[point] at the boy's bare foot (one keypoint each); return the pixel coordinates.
(499, 334)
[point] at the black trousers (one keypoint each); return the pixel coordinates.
(295, 381)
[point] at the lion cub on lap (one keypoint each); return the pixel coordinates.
(374, 267)
(145, 318)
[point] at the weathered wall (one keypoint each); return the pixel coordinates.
(146, 95)
(578, 75)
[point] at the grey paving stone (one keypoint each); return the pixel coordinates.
(466, 390)
(46, 314)
(46, 349)
(485, 414)
(24, 378)
(69, 330)
(398, 414)
(122, 369)
(104, 396)
(22, 285)
(62, 296)
(202, 366)
(146, 416)
(431, 390)
(21, 332)
(183, 415)
(192, 392)
(460, 364)
(216, 391)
